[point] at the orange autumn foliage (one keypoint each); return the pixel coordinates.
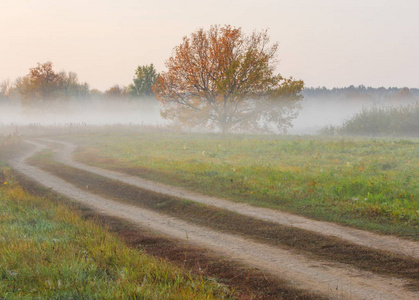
(224, 79)
(43, 87)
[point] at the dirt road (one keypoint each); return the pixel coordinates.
(332, 279)
(360, 237)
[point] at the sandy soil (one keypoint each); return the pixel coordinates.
(332, 279)
(360, 237)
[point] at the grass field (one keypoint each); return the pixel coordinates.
(304, 242)
(367, 183)
(49, 252)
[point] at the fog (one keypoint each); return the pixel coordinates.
(92, 112)
(318, 112)
(315, 114)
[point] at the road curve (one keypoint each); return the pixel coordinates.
(337, 281)
(356, 236)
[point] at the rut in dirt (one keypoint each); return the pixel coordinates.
(356, 236)
(331, 279)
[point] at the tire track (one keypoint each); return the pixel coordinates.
(356, 236)
(335, 280)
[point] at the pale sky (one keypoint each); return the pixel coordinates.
(323, 42)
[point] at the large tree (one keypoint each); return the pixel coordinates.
(225, 79)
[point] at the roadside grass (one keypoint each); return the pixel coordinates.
(302, 241)
(366, 183)
(9, 146)
(48, 251)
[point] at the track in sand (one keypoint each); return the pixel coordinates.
(331, 279)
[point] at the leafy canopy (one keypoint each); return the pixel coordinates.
(145, 77)
(222, 78)
(43, 85)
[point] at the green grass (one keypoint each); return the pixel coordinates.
(368, 183)
(49, 252)
(301, 241)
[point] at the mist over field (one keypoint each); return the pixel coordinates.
(92, 112)
(323, 107)
(316, 112)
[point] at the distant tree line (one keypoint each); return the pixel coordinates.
(368, 95)
(44, 85)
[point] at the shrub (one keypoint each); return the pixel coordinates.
(384, 121)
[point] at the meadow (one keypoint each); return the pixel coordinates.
(366, 183)
(49, 252)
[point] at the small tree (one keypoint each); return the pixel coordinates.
(5, 89)
(145, 77)
(117, 92)
(224, 79)
(71, 88)
(41, 84)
